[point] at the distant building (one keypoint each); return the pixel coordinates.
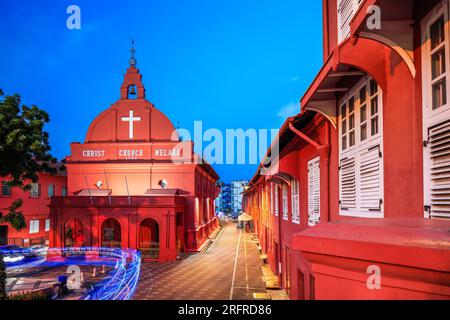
(225, 198)
(218, 203)
(237, 189)
(230, 197)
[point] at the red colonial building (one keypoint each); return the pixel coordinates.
(35, 209)
(133, 183)
(357, 204)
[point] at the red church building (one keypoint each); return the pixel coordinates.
(358, 205)
(134, 184)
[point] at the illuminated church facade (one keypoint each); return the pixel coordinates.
(134, 183)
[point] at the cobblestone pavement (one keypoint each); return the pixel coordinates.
(229, 269)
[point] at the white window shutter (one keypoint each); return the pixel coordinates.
(270, 198)
(295, 201)
(346, 11)
(34, 226)
(285, 202)
(348, 183)
(313, 192)
(370, 179)
(276, 200)
(439, 153)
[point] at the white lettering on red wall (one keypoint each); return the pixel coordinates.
(93, 153)
(167, 152)
(131, 154)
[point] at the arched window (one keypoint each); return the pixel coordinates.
(149, 239)
(73, 233)
(132, 92)
(111, 234)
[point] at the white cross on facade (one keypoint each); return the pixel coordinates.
(131, 120)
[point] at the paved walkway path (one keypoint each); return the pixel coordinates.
(229, 269)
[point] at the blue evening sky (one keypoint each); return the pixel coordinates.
(229, 63)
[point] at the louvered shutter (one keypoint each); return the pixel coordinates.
(370, 179)
(345, 14)
(271, 198)
(285, 202)
(276, 200)
(313, 192)
(348, 183)
(295, 201)
(346, 11)
(439, 157)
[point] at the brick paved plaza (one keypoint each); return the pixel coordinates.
(229, 269)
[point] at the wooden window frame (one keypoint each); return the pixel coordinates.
(47, 225)
(32, 194)
(295, 196)
(361, 146)
(277, 200)
(433, 117)
(34, 226)
(5, 185)
(312, 220)
(285, 201)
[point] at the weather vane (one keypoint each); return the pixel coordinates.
(132, 61)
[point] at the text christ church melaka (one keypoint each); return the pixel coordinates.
(131, 185)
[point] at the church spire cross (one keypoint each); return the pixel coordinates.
(131, 119)
(132, 61)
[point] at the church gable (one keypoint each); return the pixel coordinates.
(132, 118)
(132, 129)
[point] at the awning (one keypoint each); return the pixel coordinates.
(94, 192)
(162, 192)
(245, 217)
(281, 178)
(332, 81)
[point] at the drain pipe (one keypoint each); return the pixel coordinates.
(324, 153)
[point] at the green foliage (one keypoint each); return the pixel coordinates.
(24, 151)
(14, 216)
(24, 145)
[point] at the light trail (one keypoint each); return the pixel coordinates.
(123, 281)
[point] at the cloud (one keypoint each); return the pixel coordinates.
(295, 78)
(289, 110)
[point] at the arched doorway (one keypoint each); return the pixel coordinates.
(149, 239)
(73, 233)
(111, 234)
